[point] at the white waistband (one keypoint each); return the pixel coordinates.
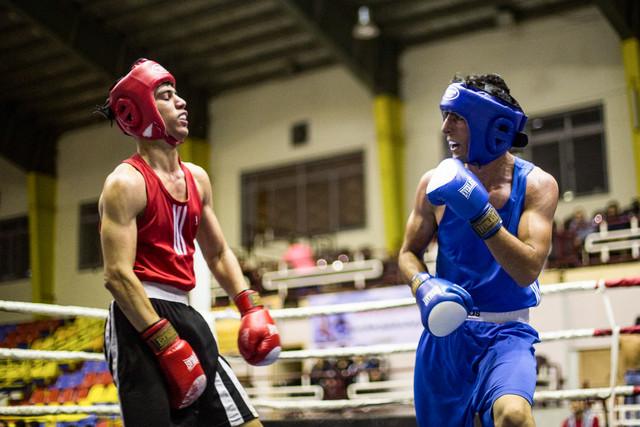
(499, 318)
(166, 292)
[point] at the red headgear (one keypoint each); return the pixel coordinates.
(134, 105)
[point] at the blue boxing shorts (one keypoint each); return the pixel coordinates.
(465, 372)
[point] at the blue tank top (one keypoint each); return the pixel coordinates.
(464, 259)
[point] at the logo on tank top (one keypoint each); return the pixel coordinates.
(179, 217)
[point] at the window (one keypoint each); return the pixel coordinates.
(318, 197)
(571, 147)
(90, 251)
(14, 249)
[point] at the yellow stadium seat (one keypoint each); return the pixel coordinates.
(94, 396)
(110, 394)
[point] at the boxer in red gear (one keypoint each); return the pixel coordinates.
(161, 352)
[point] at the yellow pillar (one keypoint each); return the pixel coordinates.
(41, 189)
(195, 150)
(631, 59)
(388, 116)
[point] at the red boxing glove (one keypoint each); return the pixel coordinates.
(179, 363)
(258, 339)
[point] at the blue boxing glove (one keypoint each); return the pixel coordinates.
(443, 305)
(457, 187)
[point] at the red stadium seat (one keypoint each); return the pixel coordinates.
(38, 397)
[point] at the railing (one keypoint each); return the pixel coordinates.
(396, 389)
(604, 240)
(336, 272)
(613, 241)
(306, 392)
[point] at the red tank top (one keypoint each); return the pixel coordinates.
(166, 231)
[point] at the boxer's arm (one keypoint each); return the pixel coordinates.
(523, 256)
(219, 257)
(258, 338)
(122, 199)
(420, 230)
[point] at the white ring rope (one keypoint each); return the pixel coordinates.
(410, 347)
(298, 313)
(302, 405)
(585, 393)
(567, 334)
(23, 354)
(295, 355)
(539, 396)
(60, 409)
(293, 313)
(584, 285)
(53, 310)
(348, 351)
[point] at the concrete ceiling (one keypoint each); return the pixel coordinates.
(60, 57)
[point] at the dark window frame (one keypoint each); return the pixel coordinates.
(317, 197)
(89, 247)
(15, 254)
(571, 145)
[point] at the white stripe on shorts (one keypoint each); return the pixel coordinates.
(233, 414)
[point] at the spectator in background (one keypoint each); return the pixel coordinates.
(613, 211)
(581, 415)
(298, 255)
(579, 227)
(615, 219)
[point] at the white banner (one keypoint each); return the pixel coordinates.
(387, 326)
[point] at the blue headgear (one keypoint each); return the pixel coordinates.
(493, 123)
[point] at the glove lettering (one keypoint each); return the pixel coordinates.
(488, 224)
(178, 362)
(191, 362)
(433, 292)
(443, 305)
(161, 339)
(468, 187)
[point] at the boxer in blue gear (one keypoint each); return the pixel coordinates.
(492, 214)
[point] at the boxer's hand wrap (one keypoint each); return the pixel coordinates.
(178, 362)
(258, 339)
(457, 187)
(488, 223)
(443, 305)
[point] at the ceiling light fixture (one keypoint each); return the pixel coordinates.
(365, 29)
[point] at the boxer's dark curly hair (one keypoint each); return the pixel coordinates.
(492, 84)
(105, 111)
